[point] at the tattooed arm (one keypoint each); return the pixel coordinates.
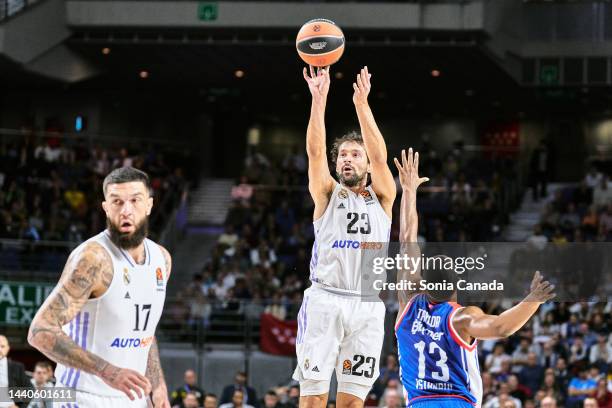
(154, 372)
(87, 274)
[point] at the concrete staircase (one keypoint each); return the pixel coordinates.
(210, 202)
(522, 221)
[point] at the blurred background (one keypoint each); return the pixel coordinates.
(509, 103)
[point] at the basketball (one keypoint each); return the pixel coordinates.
(320, 42)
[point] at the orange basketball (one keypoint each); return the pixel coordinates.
(320, 42)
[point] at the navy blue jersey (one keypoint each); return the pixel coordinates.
(435, 362)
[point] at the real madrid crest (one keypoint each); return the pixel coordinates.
(343, 193)
(306, 364)
(126, 276)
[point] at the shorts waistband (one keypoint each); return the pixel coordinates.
(344, 293)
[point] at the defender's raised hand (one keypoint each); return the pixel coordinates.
(540, 290)
(362, 87)
(409, 171)
(318, 83)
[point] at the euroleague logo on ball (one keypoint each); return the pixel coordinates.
(316, 28)
(318, 45)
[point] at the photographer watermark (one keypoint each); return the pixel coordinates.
(491, 271)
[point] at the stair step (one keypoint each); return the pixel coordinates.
(209, 204)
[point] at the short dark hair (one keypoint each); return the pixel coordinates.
(126, 175)
(210, 395)
(272, 393)
(352, 136)
(43, 364)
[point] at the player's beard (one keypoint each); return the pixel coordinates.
(126, 240)
(351, 181)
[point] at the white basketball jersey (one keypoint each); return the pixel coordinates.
(353, 228)
(119, 326)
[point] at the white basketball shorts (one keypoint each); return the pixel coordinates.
(89, 400)
(342, 333)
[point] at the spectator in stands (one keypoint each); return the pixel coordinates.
(550, 387)
(12, 373)
(392, 399)
(210, 401)
(580, 388)
(190, 401)
(229, 237)
(489, 388)
(602, 193)
(243, 191)
(593, 177)
(40, 380)
(540, 166)
(590, 221)
(504, 372)
(237, 401)
(590, 403)
(588, 335)
(548, 402)
(548, 358)
(502, 399)
(516, 389)
(240, 383)
(531, 375)
(605, 221)
(601, 353)
(190, 387)
(493, 362)
(603, 394)
(578, 351)
(570, 219)
(293, 396)
(519, 356)
(276, 308)
(538, 240)
(271, 400)
(388, 372)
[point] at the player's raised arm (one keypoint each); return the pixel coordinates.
(88, 272)
(473, 322)
(320, 181)
(376, 149)
(409, 220)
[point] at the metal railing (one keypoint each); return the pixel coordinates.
(33, 260)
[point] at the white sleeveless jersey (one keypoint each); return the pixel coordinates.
(353, 229)
(119, 326)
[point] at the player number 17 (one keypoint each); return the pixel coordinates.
(145, 308)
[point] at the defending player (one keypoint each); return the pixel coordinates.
(437, 337)
(99, 322)
(336, 329)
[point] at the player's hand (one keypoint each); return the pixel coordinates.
(362, 87)
(318, 83)
(160, 398)
(409, 171)
(540, 290)
(128, 381)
